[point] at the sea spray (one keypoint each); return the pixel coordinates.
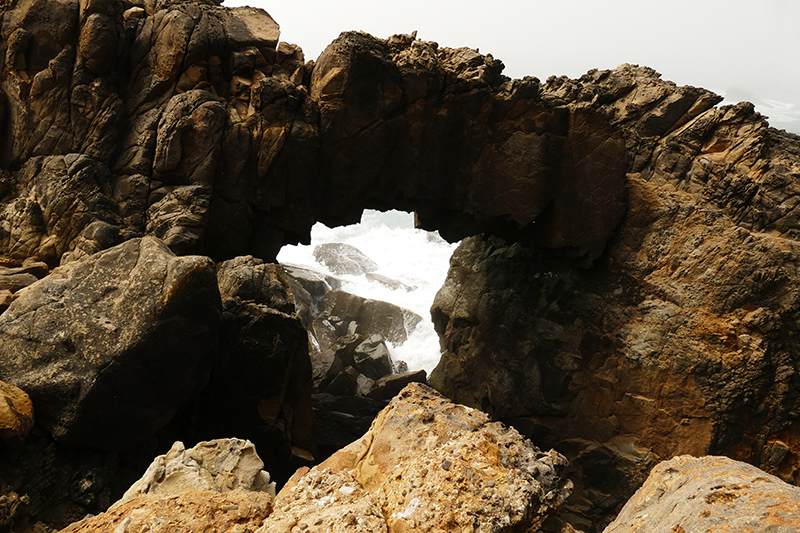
(416, 258)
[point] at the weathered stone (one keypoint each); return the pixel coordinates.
(433, 465)
(713, 494)
(372, 358)
(237, 511)
(16, 413)
(372, 317)
(341, 258)
(390, 386)
(109, 348)
(217, 466)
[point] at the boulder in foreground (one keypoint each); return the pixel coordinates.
(710, 494)
(429, 464)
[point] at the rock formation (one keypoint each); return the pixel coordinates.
(712, 494)
(680, 339)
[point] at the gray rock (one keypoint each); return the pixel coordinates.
(712, 494)
(343, 258)
(372, 317)
(217, 466)
(109, 348)
(372, 358)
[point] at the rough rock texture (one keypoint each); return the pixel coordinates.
(191, 122)
(217, 466)
(111, 347)
(710, 494)
(237, 511)
(343, 258)
(435, 466)
(681, 339)
(16, 413)
(341, 309)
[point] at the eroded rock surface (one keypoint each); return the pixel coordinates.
(111, 347)
(681, 340)
(436, 466)
(16, 413)
(712, 494)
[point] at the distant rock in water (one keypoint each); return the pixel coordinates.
(343, 258)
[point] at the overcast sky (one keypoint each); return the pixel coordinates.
(744, 50)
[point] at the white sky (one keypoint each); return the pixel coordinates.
(745, 50)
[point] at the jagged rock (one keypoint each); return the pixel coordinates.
(712, 494)
(261, 388)
(390, 321)
(341, 258)
(16, 413)
(6, 297)
(371, 357)
(325, 502)
(390, 386)
(109, 348)
(217, 466)
(237, 511)
(433, 465)
(680, 340)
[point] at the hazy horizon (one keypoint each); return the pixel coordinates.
(735, 49)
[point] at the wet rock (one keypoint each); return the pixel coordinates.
(388, 282)
(390, 321)
(16, 414)
(371, 357)
(713, 494)
(237, 511)
(343, 258)
(431, 465)
(217, 466)
(109, 348)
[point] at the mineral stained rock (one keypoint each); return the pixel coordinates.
(431, 465)
(217, 466)
(190, 122)
(110, 348)
(16, 413)
(681, 338)
(236, 511)
(710, 494)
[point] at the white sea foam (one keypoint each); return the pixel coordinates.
(411, 256)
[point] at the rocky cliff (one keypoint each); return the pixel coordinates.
(626, 293)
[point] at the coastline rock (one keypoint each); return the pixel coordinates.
(341, 258)
(217, 466)
(712, 494)
(16, 414)
(371, 317)
(433, 465)
(236, 511)
(109, 348)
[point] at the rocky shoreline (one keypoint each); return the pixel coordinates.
(624, 296)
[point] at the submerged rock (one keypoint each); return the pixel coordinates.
(710, 494)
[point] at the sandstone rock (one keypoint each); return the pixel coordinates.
(713, 494)
(217, 466)
(436, 466)
(6, 297)
(343, 258)
(237, 511)
(323, 501)
(109, 348)
(16, 413)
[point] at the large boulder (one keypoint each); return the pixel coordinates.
(111, 347)
(710, 494)
(341, 258)
(431, 465)
(16, 413)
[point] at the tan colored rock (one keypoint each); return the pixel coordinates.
(217, 466)
(237, 511)
(16, 413)
(436, 466)
(710, 494)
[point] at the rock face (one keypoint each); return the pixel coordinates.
(430, 465)
(110, 348)
(680, 340)
(218, 466)
(713, 494)
(190, 122)
(343, 258)
(237, 511)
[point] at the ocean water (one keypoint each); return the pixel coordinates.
(414, 257)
